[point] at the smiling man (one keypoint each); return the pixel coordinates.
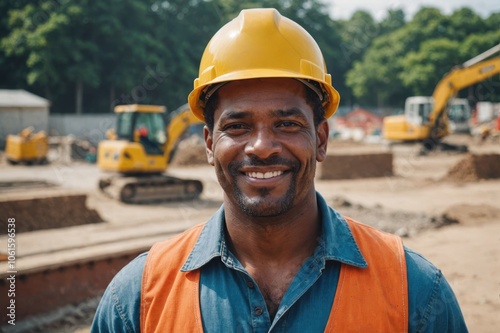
(275, 257)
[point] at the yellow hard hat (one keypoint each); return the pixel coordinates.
(260, 43)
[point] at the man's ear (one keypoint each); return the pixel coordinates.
(208, 145)
(322, 140)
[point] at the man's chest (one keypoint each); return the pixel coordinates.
(294, 303)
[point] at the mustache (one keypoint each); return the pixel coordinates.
(251, 161)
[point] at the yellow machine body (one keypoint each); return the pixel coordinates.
(27, 147)
(128, 157)
(127, 151)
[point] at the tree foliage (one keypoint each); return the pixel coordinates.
(90, 55)
(411, 59)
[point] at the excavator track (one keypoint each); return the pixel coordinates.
(149, 189)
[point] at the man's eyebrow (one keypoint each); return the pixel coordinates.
(292, 112)
(286, 113)
(236, 114)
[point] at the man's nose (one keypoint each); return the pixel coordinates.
(263, 143)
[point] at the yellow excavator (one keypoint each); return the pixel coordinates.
(138, 153)
(425, 118)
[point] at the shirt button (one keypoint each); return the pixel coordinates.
(258, 311)
(250, 284)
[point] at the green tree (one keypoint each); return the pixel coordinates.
(183, 31)
(493, 22)
(130, 52)
(12, 66)
(375, 79)
(394, 20)
(71, 45)
(411, 59)
(42, 33)
(464, 22)
(472, 46)
(422, 69)
(476, 44)
(357, 35)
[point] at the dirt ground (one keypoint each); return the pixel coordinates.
(454, 222)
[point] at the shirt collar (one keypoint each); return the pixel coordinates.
(339, 240)
(339, 243)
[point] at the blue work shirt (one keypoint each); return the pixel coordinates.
(232, 302)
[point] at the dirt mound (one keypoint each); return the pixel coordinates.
(474, 167)
(467, 214)
(190, 151)
(47, 213)
(353, 166)
(400, 223)
(409, 223)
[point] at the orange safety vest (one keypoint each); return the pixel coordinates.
(372, 299)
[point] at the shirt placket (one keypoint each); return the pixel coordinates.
(308, 274)
(305, 278)
(258, 311)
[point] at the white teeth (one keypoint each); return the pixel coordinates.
(266, 175)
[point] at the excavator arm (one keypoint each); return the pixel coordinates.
(463, 76)
(180, 120)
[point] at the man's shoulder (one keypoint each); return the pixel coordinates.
(118, 310)
(133, 271)
(424, 278)
(131, 274)
(419, 267)
(432, 303)
(179, 240)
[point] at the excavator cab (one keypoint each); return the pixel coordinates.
(418, 109)
(147, 128)
(414, 124)
(139, 141)
(459, 114)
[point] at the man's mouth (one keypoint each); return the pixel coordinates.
(264, 175)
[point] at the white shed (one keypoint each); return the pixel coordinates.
(20, 109)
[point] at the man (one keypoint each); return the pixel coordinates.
(275, 257)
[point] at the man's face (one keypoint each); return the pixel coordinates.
(264, 145)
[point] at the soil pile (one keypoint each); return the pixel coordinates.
(401, 223)
(47, 213)
(468, 214)
(353, 166)
(190, 151)
(475, 167)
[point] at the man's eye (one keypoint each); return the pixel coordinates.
(234, 128)
(288, 124)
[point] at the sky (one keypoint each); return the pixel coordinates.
(343, 9)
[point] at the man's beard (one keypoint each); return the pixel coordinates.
(262, 206)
